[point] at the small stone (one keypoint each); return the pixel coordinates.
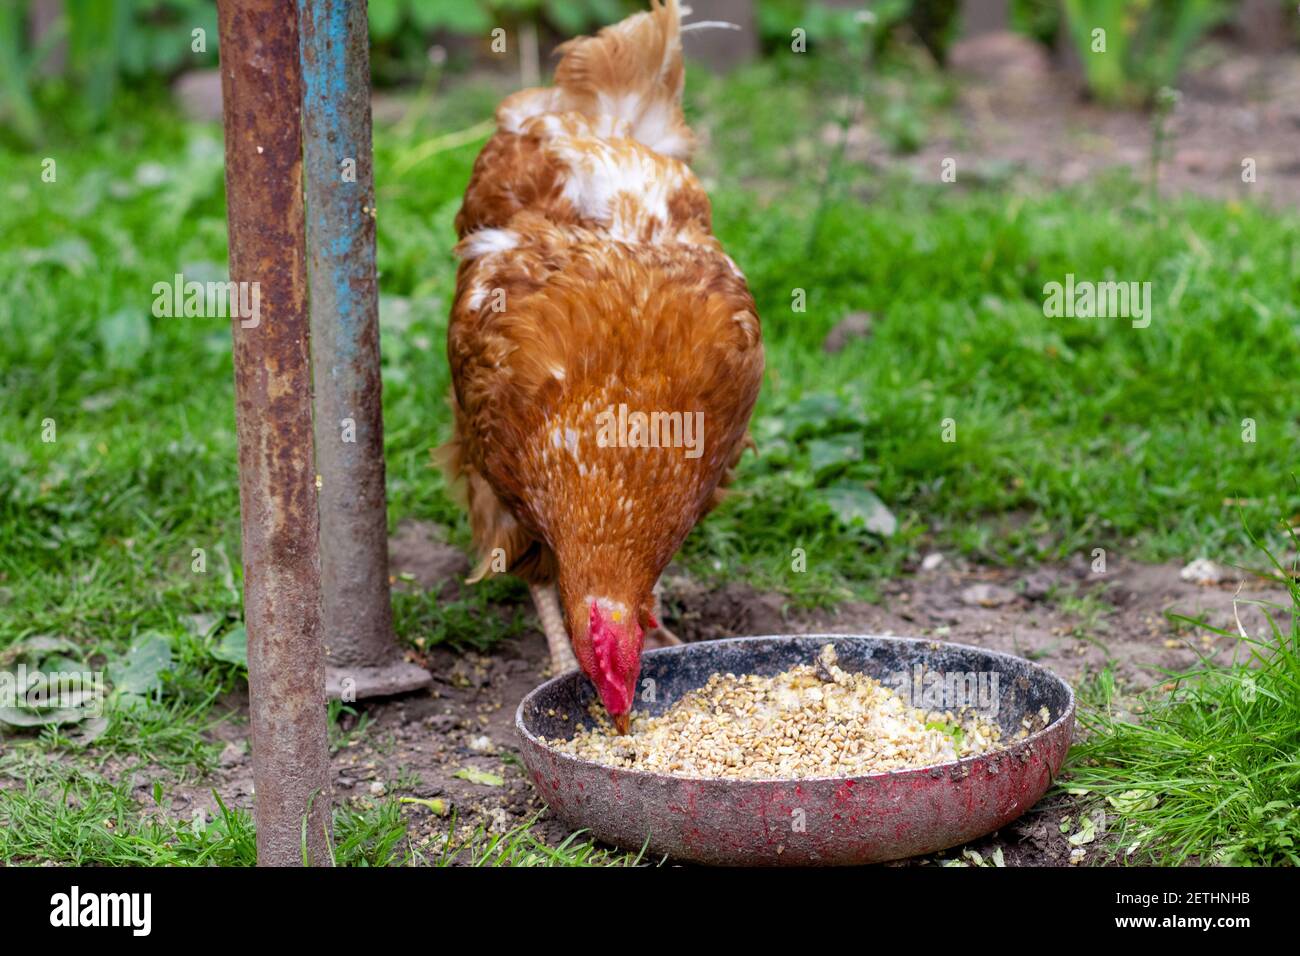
(231, 755)
(931, 561)
(1202, 571)
(377, 788)
(482, 744)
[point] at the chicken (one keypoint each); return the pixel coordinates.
(605, 352)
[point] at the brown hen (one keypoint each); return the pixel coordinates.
(605, 352)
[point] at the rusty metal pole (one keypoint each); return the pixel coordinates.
(261, 89)
(362, 656)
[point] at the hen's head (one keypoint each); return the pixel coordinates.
(609, 652)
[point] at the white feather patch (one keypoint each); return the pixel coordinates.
(486, 242)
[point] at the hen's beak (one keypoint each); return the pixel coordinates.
(621, 722)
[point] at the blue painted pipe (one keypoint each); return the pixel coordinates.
(349, 432)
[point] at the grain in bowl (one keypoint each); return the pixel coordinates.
(813, 720)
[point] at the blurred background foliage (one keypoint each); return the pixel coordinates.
(86, 49)
(74, 58)
(1146, 42)
(1075, 434)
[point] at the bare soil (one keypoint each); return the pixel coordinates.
(1020, 117)
(1068, 617)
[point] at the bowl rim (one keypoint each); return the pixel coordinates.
(1052, 729)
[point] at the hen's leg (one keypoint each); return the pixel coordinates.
(547, 600)
(660, 636)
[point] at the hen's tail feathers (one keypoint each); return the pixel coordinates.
(501, 543)
(627, 80)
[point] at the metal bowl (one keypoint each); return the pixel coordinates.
(821, 821)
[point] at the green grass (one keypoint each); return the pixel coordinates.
(77, 817)
(1210, 772)
(521, 846)
(1071, 434)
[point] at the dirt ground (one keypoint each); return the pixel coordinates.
(1070, 618)
(1019, 117)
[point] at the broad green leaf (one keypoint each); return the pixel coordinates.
(855, 505)
(815, 413)
(833, 452)
(36, 648)
(141, 670)
(232, 647)
(24, 717)
(128, 702)
(48, 643)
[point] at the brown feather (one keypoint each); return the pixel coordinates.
(590, 279)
